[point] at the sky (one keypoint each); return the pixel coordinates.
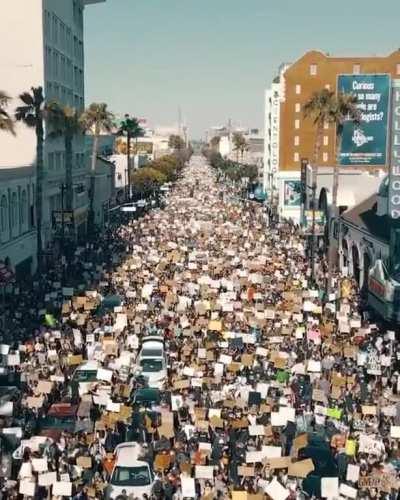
(214, 58)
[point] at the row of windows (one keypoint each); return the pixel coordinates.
(356, 69)
(13, 212)
(60, 68)
(63, 95)
(56, 160)
(325, 156)
(61, 36)
(297, 140)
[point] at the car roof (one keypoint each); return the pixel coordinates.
(62, 410)
(153, 338)
(153, 345)
(128, 454)
(89, 365)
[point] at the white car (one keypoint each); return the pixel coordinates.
(152, 362)
(130, 473)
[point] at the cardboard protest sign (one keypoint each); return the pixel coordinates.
(84, 462)
(204, 472)
(246, 471)
(276, 491)
(39, 464)
(74, 360)
(62, 488)
(329, 487)
(301, 468)
(27, 487)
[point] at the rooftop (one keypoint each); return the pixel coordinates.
(364, 217)
(7, 174)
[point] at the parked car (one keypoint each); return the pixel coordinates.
(152, 362)
(86, 373)
(147, 397)
(130, 473)
(60, 417)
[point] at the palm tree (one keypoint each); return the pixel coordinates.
(131, 129)
(6, 123)
(214, 143)
(65, 121)
(319, 109)
(32, 113)
(96, 119)
(239, 144)
(344, 109)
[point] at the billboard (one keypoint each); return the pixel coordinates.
(292, 193)
(366, 143)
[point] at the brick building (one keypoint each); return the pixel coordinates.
(309, 74)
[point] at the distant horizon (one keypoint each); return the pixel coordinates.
(214, 60)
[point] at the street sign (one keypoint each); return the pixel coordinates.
(68, 217)
(320, 221)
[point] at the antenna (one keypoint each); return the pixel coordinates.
(179, 121)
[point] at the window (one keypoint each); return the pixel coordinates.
(298, 89)
(14, 210)
(397, 69)
(326, 140)
(62, 36)
(296, 140)
(56, 91)
(297, 124)
(55, 64)
(63, 75)
(50, 158)
(326, 125)
(296, 156)
(58, 160)
(297, 107)
(356, 69)
(55, 30)
(4, 214)
(24, 208)
(68, 41)
(325, 157)
(313, 69)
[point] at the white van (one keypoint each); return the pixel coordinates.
(152, 362)
(130, 473)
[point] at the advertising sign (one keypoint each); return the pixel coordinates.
(394, 168)
(292, 193)
(319, 222)
(366, 143)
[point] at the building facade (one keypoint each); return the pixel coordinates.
(54, 60)
(296, 139)
(17, 220)
(311, 73)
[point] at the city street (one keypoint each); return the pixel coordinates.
(208, 355)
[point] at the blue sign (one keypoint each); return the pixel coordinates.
(366, 143)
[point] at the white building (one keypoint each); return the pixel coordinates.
(43, 45)
(17, 223)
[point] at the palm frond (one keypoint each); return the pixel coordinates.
(27, 98)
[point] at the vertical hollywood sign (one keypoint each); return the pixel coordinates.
(394, 170)
(275, 134)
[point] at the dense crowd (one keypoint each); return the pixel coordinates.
(273, 389)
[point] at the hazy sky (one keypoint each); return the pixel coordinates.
(214, 58)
